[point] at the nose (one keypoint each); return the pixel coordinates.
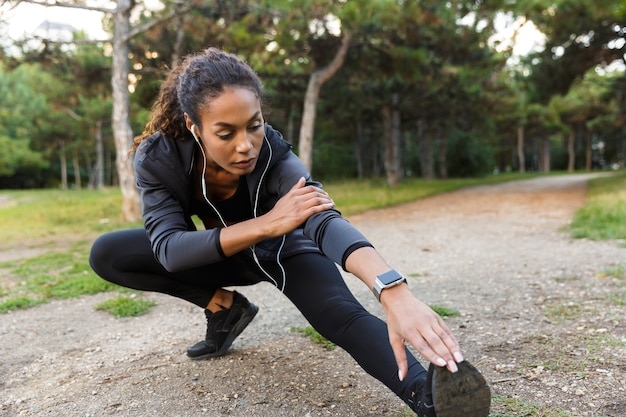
(244, 143)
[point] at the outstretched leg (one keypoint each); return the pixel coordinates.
(317, 289)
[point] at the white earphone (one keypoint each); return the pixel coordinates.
(219, 215)
(193, 132)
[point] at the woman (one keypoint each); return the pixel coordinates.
(207, 151)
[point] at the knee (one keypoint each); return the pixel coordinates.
(99, 256)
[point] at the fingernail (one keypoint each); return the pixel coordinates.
(400, 375)
(452, 366)
(458, 357)
(441, 361)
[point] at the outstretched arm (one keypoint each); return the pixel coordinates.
(408, 319)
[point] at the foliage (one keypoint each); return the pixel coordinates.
(432, 67)
(468, 156)
(21, 98)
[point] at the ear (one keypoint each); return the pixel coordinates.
(189, 123)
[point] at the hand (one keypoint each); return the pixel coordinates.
(410, 320)
(295, 207)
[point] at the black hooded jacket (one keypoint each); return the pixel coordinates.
(165, 178)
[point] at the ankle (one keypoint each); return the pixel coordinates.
(221, 300)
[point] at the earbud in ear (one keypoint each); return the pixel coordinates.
(193, 132)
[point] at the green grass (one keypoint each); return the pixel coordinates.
(507, 407)
(35, 280)
(45, 215)
(445, 311)
(312, 334)
(356, 196)
(510, 407)
(604, 214)
(121, 306)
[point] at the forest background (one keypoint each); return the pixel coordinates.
(362, 88)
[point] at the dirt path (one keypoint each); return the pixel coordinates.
(539, 315)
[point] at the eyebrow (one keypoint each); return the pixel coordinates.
(224, 124)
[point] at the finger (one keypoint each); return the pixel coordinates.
(299, 184)
(451, 343)
(399, 352)
(433, 349)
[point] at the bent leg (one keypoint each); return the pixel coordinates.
(125, 258)
(318, 290)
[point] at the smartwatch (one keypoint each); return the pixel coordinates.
(387, 280)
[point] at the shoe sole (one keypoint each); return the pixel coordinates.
(463, 393)
(243, 322)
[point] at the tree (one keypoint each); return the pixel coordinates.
(19, 100)
(579, 36)
(122, 133)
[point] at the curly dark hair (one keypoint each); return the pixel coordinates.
(191, 86)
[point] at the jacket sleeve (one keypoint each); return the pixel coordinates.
(332, 233)
(175, 244)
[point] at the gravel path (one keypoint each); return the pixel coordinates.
(495, 253)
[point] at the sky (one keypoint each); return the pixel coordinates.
(25, 18)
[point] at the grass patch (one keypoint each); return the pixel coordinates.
(122, 306)
(40, 214)
(445, 311)
(508, 407)
(18, 304)
(55, 275)
(604, 214)
(569, 353)
(559, 313)
(312, 334)
(357, 196)
(617, 272)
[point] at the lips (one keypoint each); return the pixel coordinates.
(245, 164)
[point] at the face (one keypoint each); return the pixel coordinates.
(232, 131)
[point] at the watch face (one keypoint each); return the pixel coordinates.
(390, 277)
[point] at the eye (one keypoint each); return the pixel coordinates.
(255, 127)
(224, 135)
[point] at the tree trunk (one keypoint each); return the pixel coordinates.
(545, 154)
(77, 181)
(588, 153)
(63, 162)
(426, 150)
(311, 97)
(180, 36)
(99, 168)
(392, 139)
(122, 132)
(520, 149)
(571, 160)
(443, 145)
(359, 149)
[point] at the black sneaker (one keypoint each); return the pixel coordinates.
(223, 327)
(461, 394)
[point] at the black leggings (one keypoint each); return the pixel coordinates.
(313, 284)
